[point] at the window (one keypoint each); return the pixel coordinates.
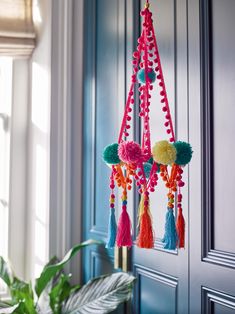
(17, 40)
(24, 166)
(5, 115)
(39, 128)
(25, 103)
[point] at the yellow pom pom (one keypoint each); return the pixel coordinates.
(164, 153)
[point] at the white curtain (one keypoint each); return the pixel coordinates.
(17, 34)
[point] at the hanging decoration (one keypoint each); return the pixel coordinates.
(140, 163)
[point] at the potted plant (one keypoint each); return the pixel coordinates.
(53, 293)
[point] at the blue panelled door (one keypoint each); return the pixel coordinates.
(200, 278)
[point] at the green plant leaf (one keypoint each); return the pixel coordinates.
(20, 309)
(100, 295)
(58, 293)
(22, 292)
(6, 273)
(50, 271)
(52, 261)
(48, 297)
(61, 292)
(72, 290)
(43, 303)
(7, 307)
(55, 292)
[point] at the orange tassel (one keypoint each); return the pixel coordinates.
(180, 227)
(145, 237)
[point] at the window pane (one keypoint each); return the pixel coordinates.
(5, 114)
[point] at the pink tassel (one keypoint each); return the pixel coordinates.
(124, 230)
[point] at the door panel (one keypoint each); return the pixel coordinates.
(100, 264)
(217, 132)
(216, 302)
(195, 39)
(155, 292)
(212, 258)
(223, 95)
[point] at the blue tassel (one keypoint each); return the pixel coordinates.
(170, 237)
(112, 230)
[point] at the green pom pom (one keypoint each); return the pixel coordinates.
(183, 153)
(141, 76)
(110, 154)
(150, 161)
(147, 169)
(158, 167)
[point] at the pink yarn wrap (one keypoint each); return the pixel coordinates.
(130, 152)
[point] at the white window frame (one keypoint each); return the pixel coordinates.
(66, 132)
(23, 141)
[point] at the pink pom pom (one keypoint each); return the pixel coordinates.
(129, 152)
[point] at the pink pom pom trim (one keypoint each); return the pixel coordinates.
(130, 152)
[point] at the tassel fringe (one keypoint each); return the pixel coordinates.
(145, 237)
(141, 210)
(112, 230)
(124, 230)
(180, 227)
(170, 237)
